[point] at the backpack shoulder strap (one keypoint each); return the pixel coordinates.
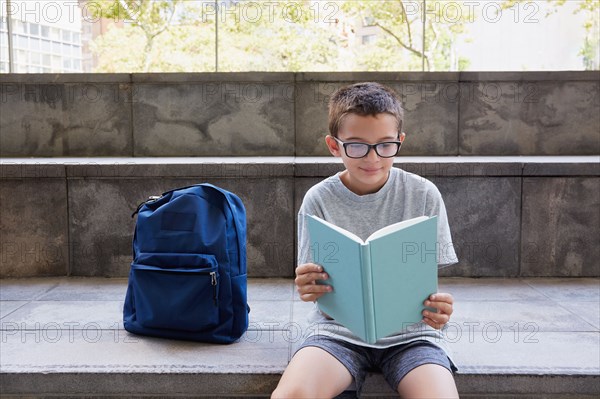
(237, 210)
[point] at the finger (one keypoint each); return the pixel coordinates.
(310, 278)
(310, 293)
(313, 288)
(432, 323)
(311, 297)
(441, 297)
(437, 318)
(441, 307)
(308, 268)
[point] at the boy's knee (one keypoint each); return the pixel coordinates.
(279, 393)
(276, 394)
(296, 391)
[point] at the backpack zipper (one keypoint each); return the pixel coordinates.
(213, 281)
(150, 199)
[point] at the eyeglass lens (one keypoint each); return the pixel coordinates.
(359, 150)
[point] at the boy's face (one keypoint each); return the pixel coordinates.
(368, 174)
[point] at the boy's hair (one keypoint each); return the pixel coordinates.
(368, 98)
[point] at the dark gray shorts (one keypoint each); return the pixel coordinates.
(394, 362)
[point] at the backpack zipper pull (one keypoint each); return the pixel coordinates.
(213, 281)
(150, 199)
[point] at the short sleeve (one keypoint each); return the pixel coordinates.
(434, 206)
(308, 207)
(304, 255)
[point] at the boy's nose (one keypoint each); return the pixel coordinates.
(372, 155)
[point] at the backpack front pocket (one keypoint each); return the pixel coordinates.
(177, 298)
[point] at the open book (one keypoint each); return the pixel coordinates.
(379, 286)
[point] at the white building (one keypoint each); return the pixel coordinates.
(46, 36)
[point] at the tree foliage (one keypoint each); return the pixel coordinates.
(150, 17)
(180, 36)
(403, 44)
(296, 35)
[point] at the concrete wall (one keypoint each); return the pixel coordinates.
(516, 217)
(285, 114)
(523, 217)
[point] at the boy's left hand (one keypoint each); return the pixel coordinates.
(443, 303)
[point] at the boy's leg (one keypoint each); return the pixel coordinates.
(313, 373)
(428, 381)
(419, 369)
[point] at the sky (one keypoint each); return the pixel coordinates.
(523, 38)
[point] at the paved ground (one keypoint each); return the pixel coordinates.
(70, 327)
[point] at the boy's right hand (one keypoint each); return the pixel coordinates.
(306, 276)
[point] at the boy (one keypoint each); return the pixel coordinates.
(365, 126)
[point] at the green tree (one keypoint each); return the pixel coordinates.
(589, 50)
(149, 17)
(286, 36)
(403, 44)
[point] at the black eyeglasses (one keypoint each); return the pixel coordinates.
(386, 149)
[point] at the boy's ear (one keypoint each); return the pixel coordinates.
(334, 147)
(402, 137)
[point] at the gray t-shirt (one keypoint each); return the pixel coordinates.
(403, 196)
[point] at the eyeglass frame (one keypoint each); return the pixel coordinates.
(370, 146)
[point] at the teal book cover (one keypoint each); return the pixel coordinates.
(380, 284)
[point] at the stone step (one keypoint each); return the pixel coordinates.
(509, 216)
(63, 336)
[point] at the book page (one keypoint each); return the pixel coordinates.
(404, 270)
(344, 232)
(341, 258)
(395, 227)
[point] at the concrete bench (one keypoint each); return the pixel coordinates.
(63, 336)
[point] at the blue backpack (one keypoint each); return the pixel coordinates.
(188, 275)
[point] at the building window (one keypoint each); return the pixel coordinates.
(34, 44)
(46, 46)
(56, 62)
(34, 29)
(20, 26)
(369, 39)
(369, 21)
(54, 33)
(22, 57)
(22, 42)
(56, 47)
(34, 57)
